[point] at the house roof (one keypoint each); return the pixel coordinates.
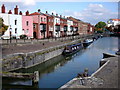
(116, 19)
(46, 14)
(35, 13)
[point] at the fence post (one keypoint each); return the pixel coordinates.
(7, 41)
(24, 40)
(16, 40)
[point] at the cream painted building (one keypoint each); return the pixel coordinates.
(14, 23)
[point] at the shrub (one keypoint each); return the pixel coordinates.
(23, 37)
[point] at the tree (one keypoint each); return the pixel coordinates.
(100, 26)
(1, 22)
(3, 27)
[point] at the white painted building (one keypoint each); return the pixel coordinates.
(56, 32)
(70, 28)
(14, 23)
(113, 22)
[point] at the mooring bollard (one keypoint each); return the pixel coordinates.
(35, 78)
(86, 72)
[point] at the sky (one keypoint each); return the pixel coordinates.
(91, 11)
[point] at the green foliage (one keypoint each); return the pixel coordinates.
(100, 24)
(23, 37)
(3, 27)
(1, 22)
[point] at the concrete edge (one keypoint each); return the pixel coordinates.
(100, 68)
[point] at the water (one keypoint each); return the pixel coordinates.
(60, 70)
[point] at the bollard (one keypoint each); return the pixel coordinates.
(35, 78)
(86, 72)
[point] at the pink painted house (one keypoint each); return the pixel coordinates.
(39, 25)
(27, 25)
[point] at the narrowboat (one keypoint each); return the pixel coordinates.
(118, 52)
(71, 49)
(87, 42)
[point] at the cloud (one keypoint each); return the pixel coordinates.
(25, 2)
(29, 2)
(93, 13)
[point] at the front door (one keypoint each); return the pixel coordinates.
(34, 35)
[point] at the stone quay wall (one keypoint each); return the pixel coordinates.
(26, 60)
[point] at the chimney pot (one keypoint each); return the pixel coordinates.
(20, 13)
(56, 14)
(52, 14)
(27, 13)
(38, 10)
(46, 11)
(10, 12)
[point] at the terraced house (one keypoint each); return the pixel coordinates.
(63, 26)
(13, 21)
(41, 25)
(50, 25)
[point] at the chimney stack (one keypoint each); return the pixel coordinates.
(56, 14)
(16, 10)
(27, 13)
(60, 16)
(3, 9)
(10, 12)
(46, 11)
(20, 13)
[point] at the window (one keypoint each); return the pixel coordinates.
(56, 20)
(41, 27)
(41, 19)
(27, 30)
(44, 19)
(49, 27)
(15, 30)
(34, 26)
(49, 20)
(15, 22)
(27, 23)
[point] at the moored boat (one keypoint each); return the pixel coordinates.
(70, 49)
(87, 42)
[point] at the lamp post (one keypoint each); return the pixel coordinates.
(10, 33)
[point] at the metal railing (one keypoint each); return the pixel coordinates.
(20, 41)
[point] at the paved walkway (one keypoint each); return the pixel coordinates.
(104, 77)
(25, 48)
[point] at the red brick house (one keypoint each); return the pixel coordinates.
(50, 25)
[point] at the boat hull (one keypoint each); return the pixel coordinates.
(78, 48)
